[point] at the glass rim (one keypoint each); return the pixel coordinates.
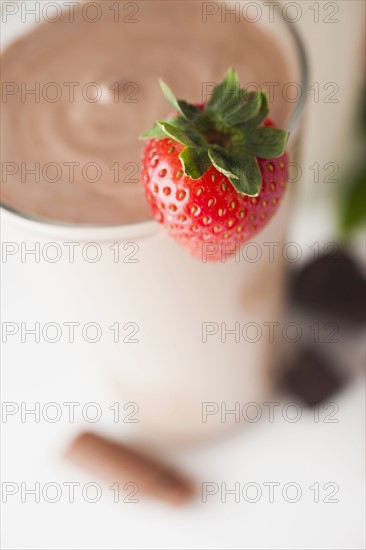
(143, 225)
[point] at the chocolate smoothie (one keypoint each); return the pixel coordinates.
(77, 94)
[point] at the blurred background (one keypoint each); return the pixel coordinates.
(300, 468)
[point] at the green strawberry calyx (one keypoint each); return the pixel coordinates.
(226, 133)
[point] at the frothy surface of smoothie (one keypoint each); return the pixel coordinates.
(70, 148)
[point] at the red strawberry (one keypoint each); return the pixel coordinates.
(204, 174)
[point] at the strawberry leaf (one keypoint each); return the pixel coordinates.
(221, 161)
(239, 113)
(224, 91)
(231, 79)
(267, 143)
(187, 110)
(261, 116)
(187, 137)
(242, 170)
(249, 176)
(195, 161)
(156, 131)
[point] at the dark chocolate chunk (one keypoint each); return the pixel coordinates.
(332, 286)
(310, 378)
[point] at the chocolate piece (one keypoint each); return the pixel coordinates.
(118, 463)
(332, 286)
(310, 378)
